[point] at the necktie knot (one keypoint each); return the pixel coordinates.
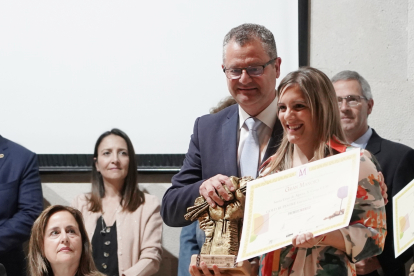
(252, 123)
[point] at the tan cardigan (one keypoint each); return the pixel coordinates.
(138, 235)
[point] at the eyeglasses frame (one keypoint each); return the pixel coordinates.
(346, 101)
(245, 69)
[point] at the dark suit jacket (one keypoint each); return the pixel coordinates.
(21, 202)
(397, 165)
(212, 151)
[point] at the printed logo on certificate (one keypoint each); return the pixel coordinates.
(318, 197)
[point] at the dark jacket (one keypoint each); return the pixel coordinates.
(21, 202)
(397, 166)
(212, 151)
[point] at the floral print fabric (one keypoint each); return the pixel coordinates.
(364, 237)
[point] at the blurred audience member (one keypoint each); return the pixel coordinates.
(21, 202)
(224, 103)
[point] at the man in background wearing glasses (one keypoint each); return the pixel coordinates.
(251, 67)
(396, 160)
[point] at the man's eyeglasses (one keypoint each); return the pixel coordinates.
(253, 71)
(351, 100)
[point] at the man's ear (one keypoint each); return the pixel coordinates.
(278, 61)
(370, 106)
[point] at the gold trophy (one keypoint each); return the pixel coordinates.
(222, 226)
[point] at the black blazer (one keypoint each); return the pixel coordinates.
(397, 165)
(212, 151)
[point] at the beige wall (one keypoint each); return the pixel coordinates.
(375, 38)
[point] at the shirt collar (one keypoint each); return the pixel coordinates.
(362, 141)
(268, 116)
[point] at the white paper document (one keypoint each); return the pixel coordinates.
(403, 219)
(318, 197)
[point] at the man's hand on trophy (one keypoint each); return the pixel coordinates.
(217, 189)
(194, 270)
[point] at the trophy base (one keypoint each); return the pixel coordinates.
(226, 263)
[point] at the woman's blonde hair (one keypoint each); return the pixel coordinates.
(38, 264)
(321, 98)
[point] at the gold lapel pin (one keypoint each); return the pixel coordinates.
(1, 155)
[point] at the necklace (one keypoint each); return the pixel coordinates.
(105, 228)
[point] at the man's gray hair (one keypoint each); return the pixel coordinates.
(352, 75)
(246, 33)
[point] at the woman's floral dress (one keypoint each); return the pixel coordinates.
(364, 237)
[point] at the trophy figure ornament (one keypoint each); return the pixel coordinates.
(222, 226)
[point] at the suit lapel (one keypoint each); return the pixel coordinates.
(3, 151)
(229, 143)
(374, 143)
(274, 142)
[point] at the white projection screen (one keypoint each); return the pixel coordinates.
(70, 70)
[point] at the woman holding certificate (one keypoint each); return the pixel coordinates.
(308, 111)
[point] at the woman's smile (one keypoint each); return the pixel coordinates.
(296, 117)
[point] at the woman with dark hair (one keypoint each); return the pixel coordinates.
(59, 244)
(122, 222)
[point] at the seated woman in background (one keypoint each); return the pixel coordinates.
(308, 111)
(59, 244)
(123, 223)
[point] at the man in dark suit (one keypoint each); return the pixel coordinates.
(192, 237)
(252, 66)
(396, 160)
(215, 146)
(21, 202)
